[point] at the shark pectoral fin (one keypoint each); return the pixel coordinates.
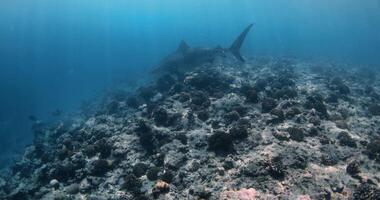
(183, 47)
(235, 47)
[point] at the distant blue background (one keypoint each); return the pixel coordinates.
(55, 54)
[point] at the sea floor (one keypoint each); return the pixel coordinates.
(268, 129)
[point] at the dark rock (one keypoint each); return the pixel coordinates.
(89, 150)
(261, 84)
(323, 139)
(140, 197)
(161, 117)
(174, 120)
(159, 159)
(268, 104)
(200, 99)
(203, 115)
(363, 142)
(215, 124)
(239, 131)
(232, 116)
(142, 126)
(279, 116)
(201, 192)
(184, 97)
(292, 112)
(139, 169)
(373, 150)
(39, 150)
(315, 120)
(296, 133)
(221, 141)
(337, 187)
(152, 173)
(194, 166)
(167, 176)
(330, 155)
(255, 169)
(346, 140)
(278, 113)
(250, 94)
(131, 183)
(160, 138)
(353, 168)
(101, 146)
(276, 168)
(181, 136)
(63, 172)
(316, 101)
(146, 135)
(100, 167)
(329, 159)
(64, 152)
(244, 122)
(297, 162)
(24, 169)
(314, 132)
(228, 164)
(18, 195)
(242, 110)
(190, 119)
(293, 158)
(366, 192)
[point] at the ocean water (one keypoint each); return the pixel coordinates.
(55, 55)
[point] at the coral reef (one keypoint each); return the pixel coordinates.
(267, 129)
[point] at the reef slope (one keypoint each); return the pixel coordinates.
(266, 129)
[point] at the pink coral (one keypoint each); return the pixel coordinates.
(242, 194)
(303, 197)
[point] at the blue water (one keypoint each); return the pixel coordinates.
(57, 54)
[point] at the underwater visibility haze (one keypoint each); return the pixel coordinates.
(192, 99)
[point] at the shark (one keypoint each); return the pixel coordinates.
(186, 57)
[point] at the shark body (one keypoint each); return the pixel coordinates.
(185, 57)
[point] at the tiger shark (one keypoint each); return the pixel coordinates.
(186, 58)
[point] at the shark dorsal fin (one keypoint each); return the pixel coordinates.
(183, 47)
(235, 47)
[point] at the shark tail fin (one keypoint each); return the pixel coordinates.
(235, 47)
